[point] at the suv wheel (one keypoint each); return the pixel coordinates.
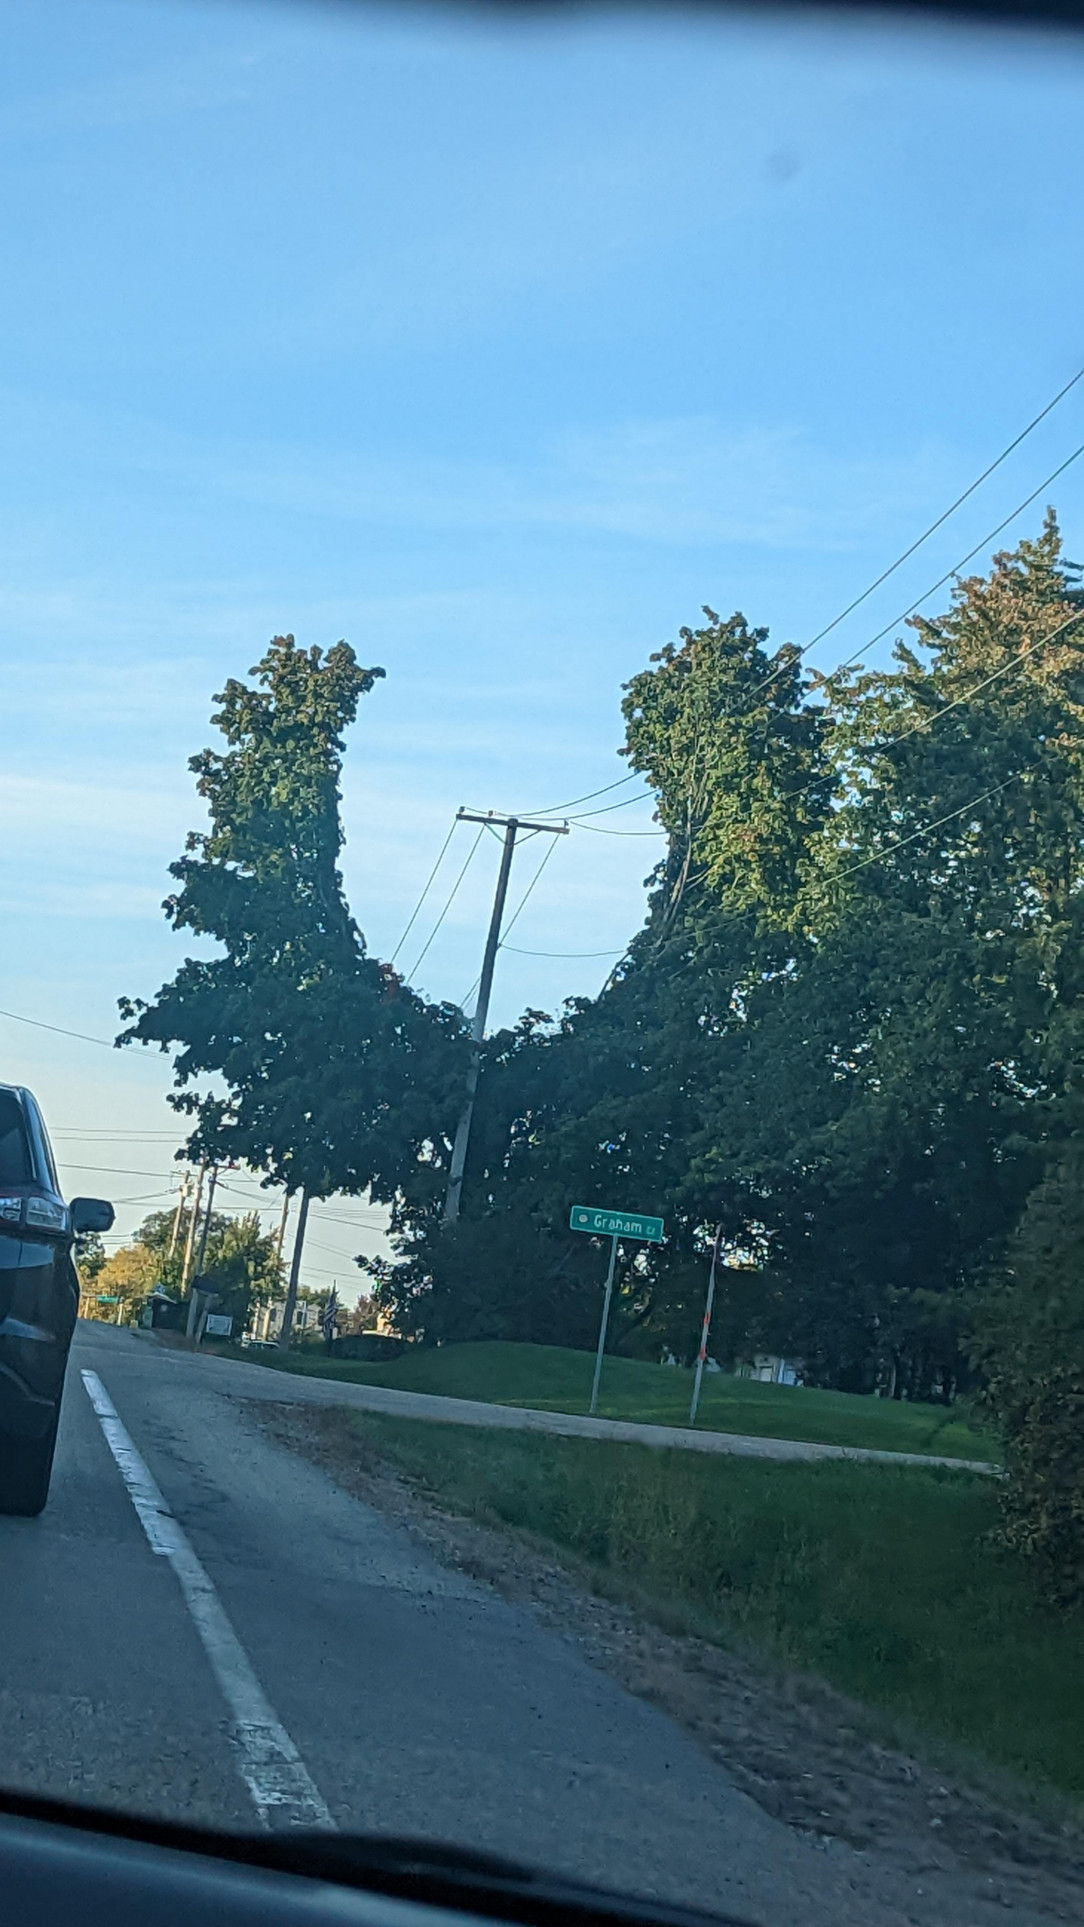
(25, 1469)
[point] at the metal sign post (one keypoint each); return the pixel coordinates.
(702, 1354)
(598, 1222)
(602, 1328)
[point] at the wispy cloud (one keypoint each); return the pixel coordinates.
(670, 481)
(139, 812)
(220, 80)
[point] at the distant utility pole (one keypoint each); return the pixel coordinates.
(189, 1243)
(198, 1273)
(281, 1236)
(485, 984)
(182, 1199)
(283, 1340)
(207, 1218)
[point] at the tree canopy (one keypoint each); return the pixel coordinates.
(847, 1028)
(335, 1075)
(847, 1034)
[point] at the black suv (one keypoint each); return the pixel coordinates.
(39, 1298)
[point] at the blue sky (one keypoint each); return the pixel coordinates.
(498, 350)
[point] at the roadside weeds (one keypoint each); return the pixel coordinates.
(804, 1752)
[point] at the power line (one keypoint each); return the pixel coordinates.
(901, 842)
(83, 1037)
(942, 518)
(425, 892)
(116, 1170)
(608, 807)
(961, 564)
(600, 829)
(270, 1204)
(261, 1198)
(516, 952)
(364, 1224)
(876, 856)
(558, 809)
(930, 722)
(145, 1197)
(948, 576)
(523, 900)
(315, 1245)
(38, 1024)
(1014, 662)
(451, 900)
(991, 536)
(103, 1135)
(512, 826)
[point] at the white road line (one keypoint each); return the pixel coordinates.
(281, 1786)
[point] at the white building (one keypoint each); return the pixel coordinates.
(770, 1369)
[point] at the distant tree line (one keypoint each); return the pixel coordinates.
(848, 1031)
(238, 1256)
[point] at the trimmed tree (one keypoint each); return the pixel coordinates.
(336, 1077)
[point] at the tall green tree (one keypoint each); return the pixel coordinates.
(610, 1102)
(239, 1259)
(847, 1030)
(327, 1073)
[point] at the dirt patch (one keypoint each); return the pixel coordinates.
(805, 1753)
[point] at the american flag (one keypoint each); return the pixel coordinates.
(330, 1314)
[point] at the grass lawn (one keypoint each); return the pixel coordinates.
(550, 1378)
(881, 1579)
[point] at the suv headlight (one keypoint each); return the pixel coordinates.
(11, 1210)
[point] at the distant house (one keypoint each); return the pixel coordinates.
(770, 1369)
(267, 1319)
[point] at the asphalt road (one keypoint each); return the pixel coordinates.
(185, 1561)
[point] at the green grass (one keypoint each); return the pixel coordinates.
(552, 1379)
(883, 1580)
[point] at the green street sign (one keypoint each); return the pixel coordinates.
(615, 1224)
(108, 1298)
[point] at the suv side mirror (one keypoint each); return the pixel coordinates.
(90, 1214)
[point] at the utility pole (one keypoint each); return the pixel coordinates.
(191, 1324)
(189, 1243)
(295, 1274)
(207, 1219)
(182, 1199)
(281, 1238)
(485, 984)
(264, 1315)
